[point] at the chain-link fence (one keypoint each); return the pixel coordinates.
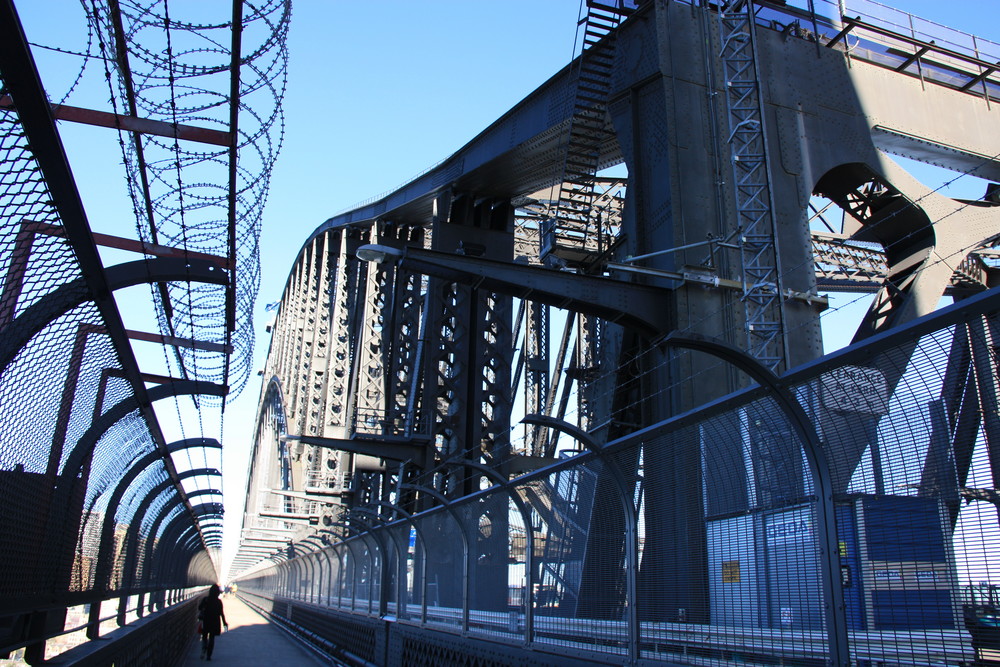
(845, 511)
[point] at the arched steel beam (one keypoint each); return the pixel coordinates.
(192, 566)
(628, 507)
(562, 426)
(159, 558)
(131, 541)
(84, 447)
(65, 298)
(174, 572)
(130, 564)
(173, 565)
(150, 545)
(103, 569)
(212, 531)
(819, 466)
(165, 561)
(302, 563)
(523, 508)
(383, 560)
(325, 551)
(349, 545)
(401, 552)
(466, 549)
(156, 562)
(70, 476)
(215, 541)
(186, 541)
(422, 574)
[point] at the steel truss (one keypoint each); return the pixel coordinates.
(452, 313)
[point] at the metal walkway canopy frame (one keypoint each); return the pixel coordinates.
(95, 509)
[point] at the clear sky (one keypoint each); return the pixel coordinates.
(377, 92)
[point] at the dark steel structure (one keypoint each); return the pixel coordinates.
(562, 399)
(98, 522)
(536, 410)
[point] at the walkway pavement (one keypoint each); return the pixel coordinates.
(251, 641)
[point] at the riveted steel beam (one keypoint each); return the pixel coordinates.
(634, 306)
(414, 449)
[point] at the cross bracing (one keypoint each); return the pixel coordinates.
(461, 305)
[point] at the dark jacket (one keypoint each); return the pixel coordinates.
(211, 615)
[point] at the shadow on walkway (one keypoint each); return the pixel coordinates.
(250, 641)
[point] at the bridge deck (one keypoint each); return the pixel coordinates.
(251, 640)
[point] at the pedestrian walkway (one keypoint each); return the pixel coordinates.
(251, 641)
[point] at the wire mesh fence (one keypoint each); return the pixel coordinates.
(844, 511)
(71, 428)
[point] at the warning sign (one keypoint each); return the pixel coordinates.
(855, 389)
(730, 572)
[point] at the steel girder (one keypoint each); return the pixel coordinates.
(451, 313)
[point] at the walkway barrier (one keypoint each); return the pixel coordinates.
(364, 641)
(155, 641)
(827, 516)
(93, 511)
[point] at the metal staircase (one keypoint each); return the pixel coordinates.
(572, 232)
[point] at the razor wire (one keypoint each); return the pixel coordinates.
(177, 69)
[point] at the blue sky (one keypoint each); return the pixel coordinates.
(377, 92)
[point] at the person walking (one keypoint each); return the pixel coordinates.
(212, 618)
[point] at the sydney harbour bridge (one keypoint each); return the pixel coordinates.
(564, 397)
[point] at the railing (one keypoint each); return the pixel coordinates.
(891, 38)
(155, 641)
(702, 539)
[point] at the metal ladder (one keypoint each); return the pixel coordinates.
(751, 183)
(570, 232)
